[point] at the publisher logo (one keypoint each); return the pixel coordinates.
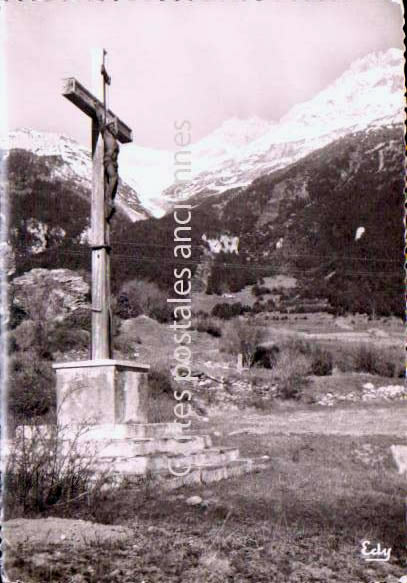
(375, 553)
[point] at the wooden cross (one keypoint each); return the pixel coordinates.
(100, 230)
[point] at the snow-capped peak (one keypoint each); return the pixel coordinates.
(371, 89)
(368, 94)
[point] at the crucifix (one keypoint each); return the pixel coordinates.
(107, 130)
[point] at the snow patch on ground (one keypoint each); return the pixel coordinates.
(359, 233)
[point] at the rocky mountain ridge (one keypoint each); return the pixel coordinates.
(70, 162)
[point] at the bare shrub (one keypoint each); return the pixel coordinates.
(369, 359)
(293, 364)
(46, 467)
(143, 297)
(242, 338)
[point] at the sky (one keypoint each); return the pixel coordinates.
(205, 61)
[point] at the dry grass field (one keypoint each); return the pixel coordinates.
(302, 520)
(329, 481)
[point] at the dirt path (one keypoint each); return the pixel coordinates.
(352, 421)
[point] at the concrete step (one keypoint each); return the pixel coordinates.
(142, 446)
(196, 475)
(132, 431)
(161, 462)
(102, 432)
(207, 474)
(212, 473)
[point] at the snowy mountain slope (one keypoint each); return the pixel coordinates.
(150, 172)
(368, 95)
(73, 163)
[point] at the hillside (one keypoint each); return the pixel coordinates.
(332, 219)
(49, 213)
(69, 162)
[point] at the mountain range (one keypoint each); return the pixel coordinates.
(300, 195)
(369, 94)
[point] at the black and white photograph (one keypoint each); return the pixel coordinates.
(202, 291)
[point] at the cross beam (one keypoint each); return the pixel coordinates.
(100, 228)
(84, 100)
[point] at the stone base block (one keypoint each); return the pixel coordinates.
(95, 392)
(117, 431)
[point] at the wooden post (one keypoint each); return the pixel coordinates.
(100, 244)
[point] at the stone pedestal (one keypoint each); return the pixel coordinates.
(96, 392)
(102, 410)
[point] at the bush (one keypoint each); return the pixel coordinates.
(206, 324)
(370, 360)
(143, 297)
(292, 366)
(63, 338)
(159, 382)
(322, 362)
(387, 362)
(34, 336)
(31, 391)
(268, 306)
(229, 311)
(291, 387)
(266, 356)
(80, 318)
(242, 338)
(124, 309)
(126, 344)
(258, 290)
(17, 315)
